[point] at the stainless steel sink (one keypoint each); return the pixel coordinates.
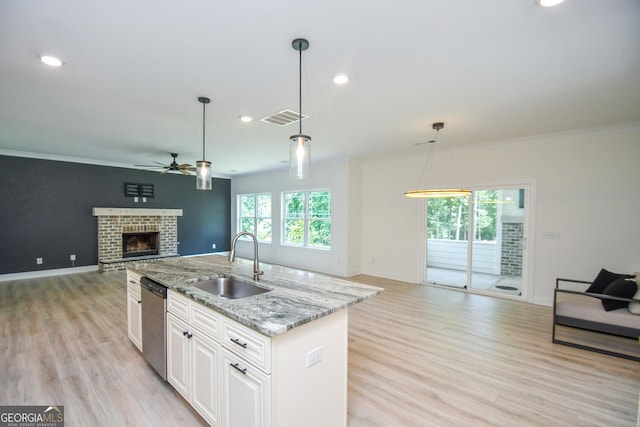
(229, 287)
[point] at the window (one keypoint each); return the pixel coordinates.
(254, 212)
(306, 220)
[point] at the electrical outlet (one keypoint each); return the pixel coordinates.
(314, 356)
(135, 200)
(213, 246)
(72, 257)
(39, 261)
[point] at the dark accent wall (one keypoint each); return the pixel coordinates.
(47, 210)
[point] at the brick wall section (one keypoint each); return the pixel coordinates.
(512, 238)
(110, 229)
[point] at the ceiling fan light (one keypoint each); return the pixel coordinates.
(203, 175)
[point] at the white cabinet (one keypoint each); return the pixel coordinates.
(178, 372)
(247, 343)
(246, 392)
(205, 392)
(246, 376)
(235, 376)
(134, 309)
(193, 355)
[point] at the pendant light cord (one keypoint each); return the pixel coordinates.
(300, 91)
(426, 164)
(204, 105)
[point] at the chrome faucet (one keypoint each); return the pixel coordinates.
(256, 264)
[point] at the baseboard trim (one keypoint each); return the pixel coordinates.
(46, 273)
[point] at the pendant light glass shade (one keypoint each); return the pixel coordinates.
(203, 167)
(299, 156)
(300, 145)
(435, 192)
(203, 175)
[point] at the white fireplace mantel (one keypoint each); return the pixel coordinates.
(136, 212)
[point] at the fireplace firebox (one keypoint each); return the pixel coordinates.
(140, 244)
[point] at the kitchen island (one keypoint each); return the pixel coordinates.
(274, 359)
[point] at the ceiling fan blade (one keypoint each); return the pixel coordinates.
(166, 171)
(184, 172)
(184, 165)
(161, 164)
(149, 166)
(192, 169)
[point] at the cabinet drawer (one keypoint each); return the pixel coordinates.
(206, 320)
(247, 343)
(133, 289)
(133, 278)
(178, 305)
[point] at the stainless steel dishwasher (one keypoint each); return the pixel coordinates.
(154, 298)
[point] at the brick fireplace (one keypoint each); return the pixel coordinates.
(154, 231)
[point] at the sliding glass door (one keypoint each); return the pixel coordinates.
(478, 242)
(447, 240)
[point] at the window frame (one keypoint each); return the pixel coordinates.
(305, 219)
(256, 218)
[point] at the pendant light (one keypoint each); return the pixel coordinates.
(439, 192)
(203, 167)
(300, 145)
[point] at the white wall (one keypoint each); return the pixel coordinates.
(334, 176)
(586, 187)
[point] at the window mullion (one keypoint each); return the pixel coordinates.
(306, 219)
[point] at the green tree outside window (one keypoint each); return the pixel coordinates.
(255, 215)
(307, 219)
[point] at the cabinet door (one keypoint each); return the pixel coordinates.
(178, 355)
(205, 392)
(134, 318)
(246, 393)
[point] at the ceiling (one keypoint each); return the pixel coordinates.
(127, 93)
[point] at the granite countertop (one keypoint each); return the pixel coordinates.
(296, 297)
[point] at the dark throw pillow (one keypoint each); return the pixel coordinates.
(604, 279)
(621, 288)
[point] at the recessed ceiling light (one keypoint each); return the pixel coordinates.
(548, 3)
(341, 79)
(246, 119)
(51, 60)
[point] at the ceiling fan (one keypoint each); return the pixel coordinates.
(184, 168)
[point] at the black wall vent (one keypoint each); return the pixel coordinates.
(138, 190)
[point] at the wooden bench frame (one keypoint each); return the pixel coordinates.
(604, 328)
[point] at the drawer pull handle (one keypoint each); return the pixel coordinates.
(139, 302)
(235, 365)
(133, 282)
(237, 341)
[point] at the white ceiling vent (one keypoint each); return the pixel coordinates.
(283, 118)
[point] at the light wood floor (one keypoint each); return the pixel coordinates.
(418, 356)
